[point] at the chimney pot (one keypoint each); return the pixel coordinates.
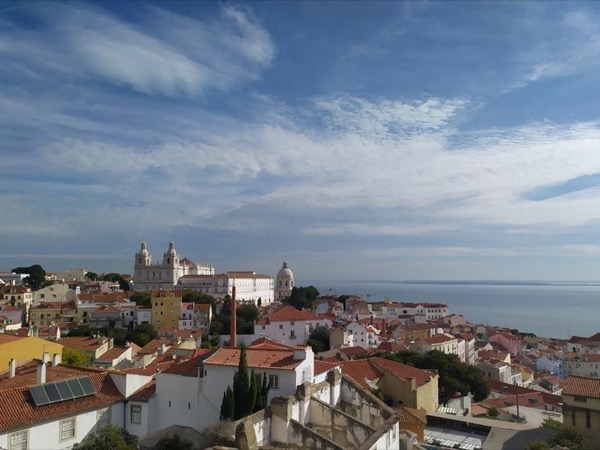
(46, 357)
(41, 373)
(13, 368)
(56, 359)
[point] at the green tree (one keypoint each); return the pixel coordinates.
(110, 437)
(570, 438)
(241, 388)
(248, 395)
(92, 276)
(36, 278)
(537, 445)
(319, 339)
(455, 377)
(227, 405)
(492, 412)
(142, 334)
(303, 297)
(173, 442)
(74, 357)
(142, 298)
(189, 295)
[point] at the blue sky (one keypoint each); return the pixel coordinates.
(359, 140)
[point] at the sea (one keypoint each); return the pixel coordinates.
(558, 310)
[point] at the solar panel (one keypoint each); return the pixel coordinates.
(52, 391)
(39, 395)
(63, 389)
(86, 384)
(75, 388)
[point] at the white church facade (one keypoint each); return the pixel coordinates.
(173, 273)
(148, 275)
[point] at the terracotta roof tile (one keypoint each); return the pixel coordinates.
(189, 368)
(361, 370)
(324, 366)
(144, 393)
(403, 371)
(275, 359)
(582, 387)
(289, 313)
(20, 411)
(412, 416)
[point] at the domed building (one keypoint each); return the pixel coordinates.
(284, 282)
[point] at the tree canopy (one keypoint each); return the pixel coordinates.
(173, 442)
(117, 278)
(140, 335)
(319, 339)
(36, 278)
(247, 315)
(110, 437)
(303, 297)
(75, 357)
(455, 377)
(565, 436)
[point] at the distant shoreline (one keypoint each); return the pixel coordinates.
(471, 282)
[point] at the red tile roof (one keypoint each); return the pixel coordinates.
(361, 370)
(289, 313)
(582, 387)
(85, 343)
(264, 343)
(324, 366)
(355, 350)
(6, 338)
(153, 346)
(256, 357)
(403, 371)
(412, 416)
(189, 368)
(144, 393)
(113, 353)
(19, 410)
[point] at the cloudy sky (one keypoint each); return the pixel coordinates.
(388, 140)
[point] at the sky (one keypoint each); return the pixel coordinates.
(357, 140)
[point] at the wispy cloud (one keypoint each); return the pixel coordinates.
(172, 55)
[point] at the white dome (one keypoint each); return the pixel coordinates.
(285, 273)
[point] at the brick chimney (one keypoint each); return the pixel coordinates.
(233, 331)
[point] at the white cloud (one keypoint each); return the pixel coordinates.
(180, 56)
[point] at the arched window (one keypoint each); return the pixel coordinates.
(168, 260)
(140, 260)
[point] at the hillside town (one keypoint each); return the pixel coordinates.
(159, 354)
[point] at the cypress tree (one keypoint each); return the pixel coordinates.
(227, 406)
(241, 388)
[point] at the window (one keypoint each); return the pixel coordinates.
(67, 429)
(274, 380)
(292, 323)
(136, 414)
(281, 327)
(18, 440)
(580, 399)
(292, 334)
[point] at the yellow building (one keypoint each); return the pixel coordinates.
(25, 348)
(166, 307)
(581, 407)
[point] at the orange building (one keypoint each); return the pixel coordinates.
(166, 306)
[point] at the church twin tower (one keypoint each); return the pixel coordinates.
(148, 275)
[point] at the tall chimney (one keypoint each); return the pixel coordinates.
(13, 368)
(233, 331)
(56, 359)
(41, 370)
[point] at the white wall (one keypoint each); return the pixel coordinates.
(47, 435)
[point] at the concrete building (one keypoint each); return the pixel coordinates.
(148, 275)
(21, 349)
(250, 286)
(29, 422)
(290, 325)
(400, 384)
(166, 308)
(581, 407)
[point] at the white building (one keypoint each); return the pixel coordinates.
(57, 292)
(290, 325)
(442, 342)
(190, 393)
(148, 275)
(363, 335)
(431, 311)
(40, 414)
(250, 286)
(284, 282)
